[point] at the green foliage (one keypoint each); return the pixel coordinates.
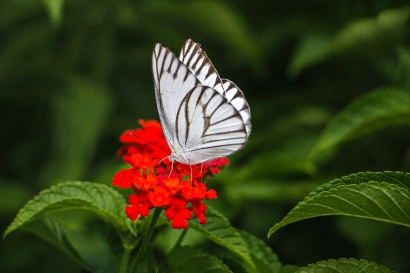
(357, 35)
(328, 86)
(344, 265)
(39, 216)
(376, 110)
(378, 196)
(99, 199)
(55, 8)
(189, 259)
(262, 256)
(219, 230)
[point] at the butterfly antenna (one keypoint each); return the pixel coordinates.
(163, 159)
(149, 142)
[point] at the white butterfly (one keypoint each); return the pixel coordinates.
(202, 116)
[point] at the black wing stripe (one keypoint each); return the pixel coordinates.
(198, 62)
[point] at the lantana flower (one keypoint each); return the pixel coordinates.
(160, 183)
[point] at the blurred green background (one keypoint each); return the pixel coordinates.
(75, 74)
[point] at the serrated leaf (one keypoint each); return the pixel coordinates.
(189, 259)
(289, 269)
(262, 255)
(97, 198)
(399, 179)
(344, 266)
(388, 202)
(219, 230)
(382, 108)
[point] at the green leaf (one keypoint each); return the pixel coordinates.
(402, 79)
(262, 255)
(98, 198)
(215, 18)
(289, 269)
(364, 35)
(383, 196)
(313, 48)
(89, 247)
(344, 266)
(367, 32)
(54, 8)
(219, 230)
(382, 108)
(52, 230)
(399, 179)
(189, 259)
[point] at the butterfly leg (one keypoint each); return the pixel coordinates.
(202, 165)
(190, 166)
(172, 168)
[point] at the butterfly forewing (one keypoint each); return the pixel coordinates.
(235, 96)
(199, 64)
(172, 82)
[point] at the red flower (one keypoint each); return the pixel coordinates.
(160, 196)
(147, 151)
(143, 161)
(145, 182)
(179, 214)
(123, 179)
(140, 205)
(199, 210)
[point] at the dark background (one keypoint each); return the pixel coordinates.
(72, 81)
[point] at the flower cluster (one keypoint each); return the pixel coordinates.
(158, 182)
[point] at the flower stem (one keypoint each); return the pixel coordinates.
(147, 237)
(125, 259)
(181, 237)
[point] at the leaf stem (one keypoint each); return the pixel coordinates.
(147, 237)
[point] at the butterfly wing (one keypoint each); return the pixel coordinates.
(203, 116)
(199, 64)
(208, 126)
(172, 81)
(235, 96)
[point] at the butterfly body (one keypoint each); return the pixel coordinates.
(203, 116)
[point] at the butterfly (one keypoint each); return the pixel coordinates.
(203, 117)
